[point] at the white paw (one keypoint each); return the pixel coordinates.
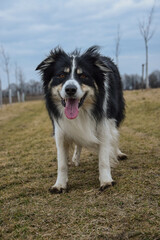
(58, 189)
(122, 156)
(107, 185)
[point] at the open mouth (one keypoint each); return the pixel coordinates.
(72, 106)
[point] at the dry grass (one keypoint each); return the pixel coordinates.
(129, 210)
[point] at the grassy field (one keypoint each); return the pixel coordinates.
(129, 210)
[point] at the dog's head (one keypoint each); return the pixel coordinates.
(73, 80)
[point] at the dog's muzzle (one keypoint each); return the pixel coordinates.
(70, 90)
(72, 100)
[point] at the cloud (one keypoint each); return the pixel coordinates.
(29, 29)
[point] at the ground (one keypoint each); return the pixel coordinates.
(129, 210)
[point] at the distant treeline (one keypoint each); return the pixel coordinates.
(130, 82)
(31, 88)
(134, 81)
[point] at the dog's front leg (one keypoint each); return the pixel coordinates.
(62, 154)
(105, 177)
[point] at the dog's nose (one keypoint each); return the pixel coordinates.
(70, 89)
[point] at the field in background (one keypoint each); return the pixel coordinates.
(27, 98)
(129, 210)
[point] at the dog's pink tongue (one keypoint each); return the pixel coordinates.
(71, 108)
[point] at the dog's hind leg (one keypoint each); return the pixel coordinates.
(121, 156)
(76, 155)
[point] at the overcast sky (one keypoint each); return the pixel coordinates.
(29, 29)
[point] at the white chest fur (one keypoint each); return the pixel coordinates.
(81, 131)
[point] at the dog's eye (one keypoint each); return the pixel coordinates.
(61, 75)
(83, 76)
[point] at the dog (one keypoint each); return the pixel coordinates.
(84, 99)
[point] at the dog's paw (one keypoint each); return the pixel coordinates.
(75, 161)
(107, 185)
(122, 156)
(57, 190)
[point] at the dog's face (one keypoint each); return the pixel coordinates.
(72, 85)
(71, 80)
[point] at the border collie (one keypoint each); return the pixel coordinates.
(84, 99)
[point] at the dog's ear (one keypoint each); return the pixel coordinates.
(95, 57)
(103, 66)
(54, 54)
(45, 63)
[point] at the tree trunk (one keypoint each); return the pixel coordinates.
(1, 94)
(117, 60)
(147, 79)
(18, 96)
(23, 97)
(9, 89)
(142, 76)
(10, 95)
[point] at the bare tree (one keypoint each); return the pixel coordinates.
(1, 94)
(16, 77)
(6, 63)
(147, 34)
(118, 38)
(22, 83)
(142, 76)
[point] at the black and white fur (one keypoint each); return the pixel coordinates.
(93, 82)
